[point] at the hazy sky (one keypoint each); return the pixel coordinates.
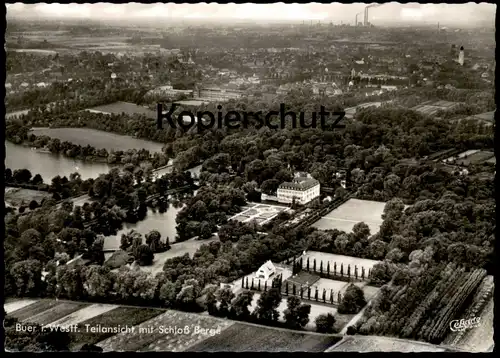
(390, 12)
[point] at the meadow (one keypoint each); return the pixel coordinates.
(249, 338)
(352, 212)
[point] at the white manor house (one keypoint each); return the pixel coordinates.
(302, 188)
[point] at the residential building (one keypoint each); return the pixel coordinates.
(266, 270)
(302, 189)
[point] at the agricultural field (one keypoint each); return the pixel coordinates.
(57, 312)
(84, 314)
(382, 344)
(261, 213)
(33, 309)
(119, 316)
(249, 338)
(12, 306)
(480, 339)
(97, 139)
(352, 212)
(339, 259)
(20, 196)
(124, 107)
(432, 107)
(161, 338)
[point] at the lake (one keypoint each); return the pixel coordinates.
(49, 165)
(163, 222)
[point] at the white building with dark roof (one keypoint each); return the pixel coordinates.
(303, 189)
(266, 270)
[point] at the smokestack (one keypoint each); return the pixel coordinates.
(461, 56)
(367, 13)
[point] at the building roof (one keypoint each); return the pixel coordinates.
(267, 267)
(299, 184)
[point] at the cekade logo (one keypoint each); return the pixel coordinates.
(463, 324)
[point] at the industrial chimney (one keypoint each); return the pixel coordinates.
(461, 56)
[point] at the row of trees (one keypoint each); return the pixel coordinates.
(434, 294)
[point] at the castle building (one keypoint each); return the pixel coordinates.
(302, 189)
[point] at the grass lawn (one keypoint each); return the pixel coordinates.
(339, 259)
(18, 196)
(120, 316)
(303, 278)
(352, 212)
(327, 284)
(248, 338)
(125, 107)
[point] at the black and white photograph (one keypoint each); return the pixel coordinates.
(254, 177)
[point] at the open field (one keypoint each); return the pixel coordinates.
(16, 196)
(161, 338)
(97, 139)
(432, 107)
(261, 213)
(339, 259)
(56, 313)
(119, 316)
(178, 249)
(37, 51)
(12, 306)
(125, 107)
(33, 309)
(327, 284)
(476, 158)
(461, 155)
(304, 278)
(84, 314)
(248, 338)
(352, 212)
(381, 344)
